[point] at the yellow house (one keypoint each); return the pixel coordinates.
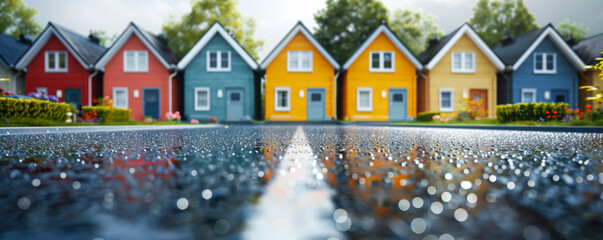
(300, 79)
(380, 80)
(459, 67)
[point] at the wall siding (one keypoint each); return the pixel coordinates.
(566, 77)
(240, 76)
(322, 76)
(358, 75)
(441, 76)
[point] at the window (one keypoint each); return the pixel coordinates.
(528, 95)
(42, 90)
(299, 61)
(463, 62)
(545, 63)
(202, 99)
(282, 99)
(56, 61)
(120, 97)
(446, 100)
(381, 61)
(364, 99)
(218, 61)
(136, 61)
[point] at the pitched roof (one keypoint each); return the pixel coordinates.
(11, 49)
(155, 43)
(589, 49)
(392, 37)
(511, 52)
(433, 54)
(84, 50)
(516, 52)
(299, 27)
(217, 28)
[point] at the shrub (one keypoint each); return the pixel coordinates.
(531, 112)
(426, 116)
(107, 114)
(14, 109)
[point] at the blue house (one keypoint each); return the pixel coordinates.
(541, 67)
(220, 79)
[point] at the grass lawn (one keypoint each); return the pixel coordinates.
(30, 122)
(494, 121)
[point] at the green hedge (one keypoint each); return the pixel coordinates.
(531, 112)
(426, 116)
(109, 114)
(12, 109)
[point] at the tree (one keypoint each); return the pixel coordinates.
(183, 34)
(104, 38)
(572, 29)
(16, 19)
(492, 20)
(414, 28)
(344, 24)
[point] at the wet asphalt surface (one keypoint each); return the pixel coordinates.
(386, 182)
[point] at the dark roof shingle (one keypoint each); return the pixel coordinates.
(511, 52)
(426, 56)
(160, 45)
(11, 49)
(88, 51)
(589, 49)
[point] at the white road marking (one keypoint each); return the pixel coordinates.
(297, 203)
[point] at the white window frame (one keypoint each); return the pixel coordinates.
(40, 89)
(370, 107)
(218, 67)
(196, 98)
(451, 108)
(56, 61)
(299, 68)
(464, 68)
(381, 67)
(276, 106)
(544, 70)
(525, 90)
(114, 90)
(137, 69)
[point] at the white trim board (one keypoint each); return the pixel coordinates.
(466, 29)
(216, 28)
(392, 37)
(559, 42)
(299, 27)
(121, 40)
(41, 41)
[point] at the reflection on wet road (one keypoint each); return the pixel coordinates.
(385, 183)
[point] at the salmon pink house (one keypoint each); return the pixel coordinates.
(60, 62)
(140, 74)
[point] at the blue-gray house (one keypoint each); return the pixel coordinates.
(541, 67)
(220, 79)
(11, 79)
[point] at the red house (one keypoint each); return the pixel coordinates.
(140, 74)
(61, 62)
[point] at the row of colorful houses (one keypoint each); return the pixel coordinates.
(299, 80)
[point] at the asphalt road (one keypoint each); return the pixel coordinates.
(299, 182)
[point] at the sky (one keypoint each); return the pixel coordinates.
(275, 18)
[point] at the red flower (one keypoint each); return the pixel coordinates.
(577, 110)
(554, 116)
(588, 110)
(555, 112)
(588, 106)
(547, 112)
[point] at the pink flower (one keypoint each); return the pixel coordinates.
(193, 121)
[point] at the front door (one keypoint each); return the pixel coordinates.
(478, 101)
(560, 96)
(73, 96)
(316, 104)
(398, 103)
(234, 104)
(150, 102)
